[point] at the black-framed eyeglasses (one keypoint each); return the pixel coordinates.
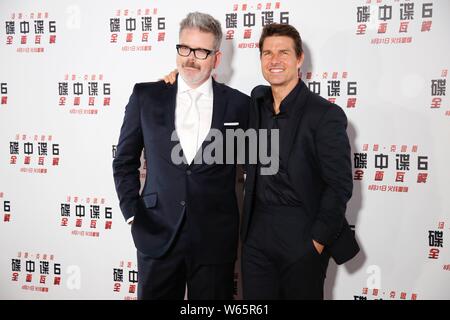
(199, 53)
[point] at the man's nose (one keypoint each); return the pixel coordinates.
(275, 59)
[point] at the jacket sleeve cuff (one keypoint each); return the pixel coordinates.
(322, 234)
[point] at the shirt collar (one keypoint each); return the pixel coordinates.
(287, 101)
(205, 89)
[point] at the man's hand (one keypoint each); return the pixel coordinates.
(171, 77)
(319, 247)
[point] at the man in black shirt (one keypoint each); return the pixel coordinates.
(294, 219)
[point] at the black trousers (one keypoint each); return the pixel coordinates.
(279, 261)
(166, 278)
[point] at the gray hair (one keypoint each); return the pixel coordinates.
(205, 23)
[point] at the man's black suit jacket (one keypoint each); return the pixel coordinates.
(315, 153)
(203, 195)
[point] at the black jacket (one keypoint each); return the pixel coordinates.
(205, 192)
(315, 153)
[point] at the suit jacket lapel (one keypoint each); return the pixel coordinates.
(254, 124)
(169, 102)
(220, 104)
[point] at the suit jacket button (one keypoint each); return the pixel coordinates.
(188, 172)
(183, 203)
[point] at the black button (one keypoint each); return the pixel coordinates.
(183, 203)
(188, 172)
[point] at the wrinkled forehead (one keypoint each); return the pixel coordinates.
(195, 38)
(278, 43)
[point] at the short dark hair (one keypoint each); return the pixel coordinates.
(277, 29)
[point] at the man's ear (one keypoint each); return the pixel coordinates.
(218, 57)
(300, 60)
